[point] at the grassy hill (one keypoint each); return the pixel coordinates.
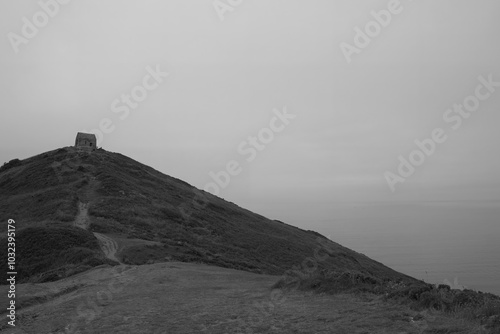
(173, 220)
(72, 207)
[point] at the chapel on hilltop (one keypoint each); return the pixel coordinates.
(86, 141)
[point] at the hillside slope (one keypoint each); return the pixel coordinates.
(153, 217)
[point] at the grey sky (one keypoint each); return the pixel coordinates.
(226, 78)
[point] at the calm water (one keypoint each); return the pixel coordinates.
(457, 242)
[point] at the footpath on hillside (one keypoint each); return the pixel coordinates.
(86, 195)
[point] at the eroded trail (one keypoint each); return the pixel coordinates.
(82, 219)
(108, 246)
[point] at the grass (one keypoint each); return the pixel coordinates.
(33, 191)
(50, 253)
(479, 307)
(190, 298)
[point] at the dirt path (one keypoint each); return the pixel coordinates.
(85, 195)
(108, 246)
(82, 219)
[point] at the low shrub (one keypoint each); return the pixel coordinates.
(11, 164)
(332, 282)
(472, 305)
(44, 253)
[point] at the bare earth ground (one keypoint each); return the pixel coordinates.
(192, 298)
(82, 219)
(108, 245)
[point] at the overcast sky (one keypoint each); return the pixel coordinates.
(354, 113)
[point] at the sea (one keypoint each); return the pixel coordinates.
(454, 243)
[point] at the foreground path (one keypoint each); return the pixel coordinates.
(176, 298)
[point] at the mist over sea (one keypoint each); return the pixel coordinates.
(452, 242)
